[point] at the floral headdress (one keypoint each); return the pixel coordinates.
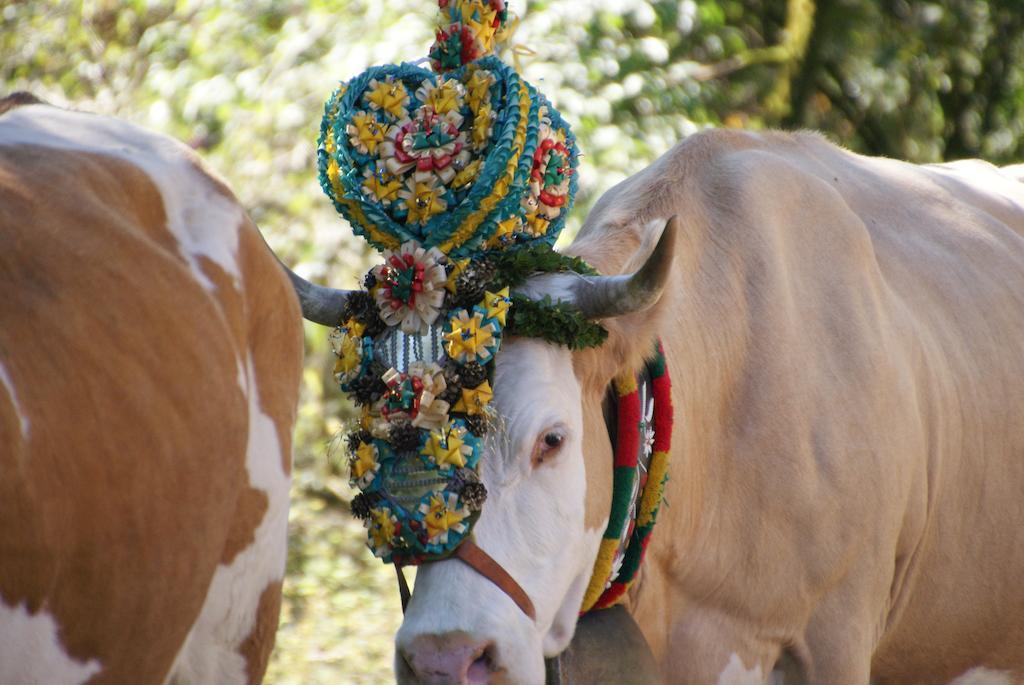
(462, 177)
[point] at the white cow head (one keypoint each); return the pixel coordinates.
(547, 466)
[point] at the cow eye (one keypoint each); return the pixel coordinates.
(553, 440)
(548, 444)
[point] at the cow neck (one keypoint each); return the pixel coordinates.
(640, 427)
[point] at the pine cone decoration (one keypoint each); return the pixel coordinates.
(362, 504)
(471, 284)
(404, 437)
(453, 383)
(355, 437)
(357, 305)
(369, 280)
(473, 495)
(466, 299)
(361, 306)
(375, 327)
(369, 387)
(473, 374)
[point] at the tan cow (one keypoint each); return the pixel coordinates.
(150, 355)
(846, 494)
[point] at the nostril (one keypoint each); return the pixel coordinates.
(480, 670)
(405, 663)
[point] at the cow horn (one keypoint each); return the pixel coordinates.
(320, 304)
(602, 297)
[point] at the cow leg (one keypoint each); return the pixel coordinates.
(837, 658)
(837, 645)
(706, 647)
(698, 644)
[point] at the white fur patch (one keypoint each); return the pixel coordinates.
(736, 673)
(204, 221)
(31, 652)
(8, 385)
(210, 653)
(983, 676)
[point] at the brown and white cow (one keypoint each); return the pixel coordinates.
(846, 494)
(150, 355)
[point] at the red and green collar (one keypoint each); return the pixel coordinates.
(642, 436)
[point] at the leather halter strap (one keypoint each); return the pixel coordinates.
(484, 564)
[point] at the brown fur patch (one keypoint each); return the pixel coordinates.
(231, 300)
(259, 644)
(249, 512)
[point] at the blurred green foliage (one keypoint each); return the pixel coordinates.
(244, 83)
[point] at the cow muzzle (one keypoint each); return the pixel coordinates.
(454, 658)
(461, 628)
